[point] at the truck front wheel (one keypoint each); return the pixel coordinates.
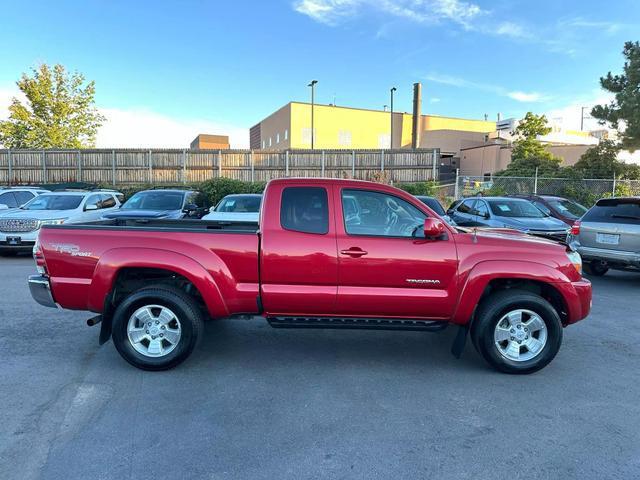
(516, 331)
(157, 327)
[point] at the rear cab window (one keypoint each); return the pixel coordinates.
(305, 209)
(623, 210)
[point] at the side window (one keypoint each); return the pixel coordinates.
(22, 197)
(379, 214)
(305, 209)
(93, 200)
(481, 209)
(107, 201)
(8, 199)
(195, 198)
(466, 207)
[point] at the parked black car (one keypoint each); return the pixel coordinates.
(163, 203)
(558, 207)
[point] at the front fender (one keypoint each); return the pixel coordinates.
(482, 273)
(112, 261)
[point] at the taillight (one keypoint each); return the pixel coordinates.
(38, 256)
(575, 228)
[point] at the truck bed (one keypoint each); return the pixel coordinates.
(165, 225)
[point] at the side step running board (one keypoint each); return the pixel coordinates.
(356, 323)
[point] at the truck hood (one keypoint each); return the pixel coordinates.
(38, 214)
(132, 213)
(539, 224)
(506, 234)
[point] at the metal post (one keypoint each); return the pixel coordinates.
(44, 168)
(113, 167)
(391, 136)
(184, 167)
(456, 191)
(353, 164)
(10, 177)
(382, 160)
(434, 159)
(535, 183)
(150, 168)
(253, 168)
(286, 163)
(613, 193)
(322, 160)
(219, 163)
(79, 166)
(313, 93)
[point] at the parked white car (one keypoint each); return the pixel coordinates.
(19, 228)
(13, 197)
(241, 207)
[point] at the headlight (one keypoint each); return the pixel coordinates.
(576, 260)
(55, 221)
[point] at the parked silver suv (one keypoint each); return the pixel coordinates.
(608, 236)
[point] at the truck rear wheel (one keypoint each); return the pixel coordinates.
(157, 327)
(517, 331)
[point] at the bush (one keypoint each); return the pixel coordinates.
(217, 188)
(420, 188)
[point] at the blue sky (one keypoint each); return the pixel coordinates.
(225, 65)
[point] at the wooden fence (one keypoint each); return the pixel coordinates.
(162, 166)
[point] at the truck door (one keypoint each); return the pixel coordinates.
(298, 262)
(386, 268)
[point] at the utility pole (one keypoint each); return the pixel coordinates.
(391, 136)
(313, 93)
(582, 118)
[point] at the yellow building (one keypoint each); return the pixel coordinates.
(349, 128)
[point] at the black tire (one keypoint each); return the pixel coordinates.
(596, 268)
(182, 305)
(489, 313)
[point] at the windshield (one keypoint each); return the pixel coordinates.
(54, 202)
(515, 208)
(433, 204)
(615, 211)
(239, 205)
(154, 201)
(568, 208)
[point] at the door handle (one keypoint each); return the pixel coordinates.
(353, 252)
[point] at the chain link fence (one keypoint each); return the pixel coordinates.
(584, 191)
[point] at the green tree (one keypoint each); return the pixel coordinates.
(601, 161)
(623, 113)
(528, 152)
(59, 112)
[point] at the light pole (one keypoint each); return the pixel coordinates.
(391, 136)
(313, 92)
(582, 118)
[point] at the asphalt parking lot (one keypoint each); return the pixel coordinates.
(259, 403)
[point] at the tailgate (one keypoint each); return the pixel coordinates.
(611, 236)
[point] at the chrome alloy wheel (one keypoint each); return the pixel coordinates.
(154, 331)
(520, 335)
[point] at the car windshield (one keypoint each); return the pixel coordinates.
(433, 204)
(568, 208)
(239, 205)
(615, 211)
(54, 202)
(515, 208)
(154, 201)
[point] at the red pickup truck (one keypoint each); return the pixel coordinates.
(324, 254)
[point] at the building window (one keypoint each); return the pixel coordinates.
(306, 135)
(277, 138)
(384, 140)
(344, 138)
(286, 134)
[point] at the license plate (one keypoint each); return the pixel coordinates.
(608, 238)
(14, 240)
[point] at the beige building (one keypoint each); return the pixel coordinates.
(489, 158)
(210, 142)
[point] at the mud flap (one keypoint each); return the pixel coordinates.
(105, 330)
(459, 342)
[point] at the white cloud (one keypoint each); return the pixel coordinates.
(422, 11)
(512, 29)
(582, 23)
(525, 97)
(131, 128)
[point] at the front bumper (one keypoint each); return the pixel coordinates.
(41, 291)
(18, 242)
(577, 296)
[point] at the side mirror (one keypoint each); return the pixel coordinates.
(433, 227)
(190, 208)
(485, 216)
(88, 208)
